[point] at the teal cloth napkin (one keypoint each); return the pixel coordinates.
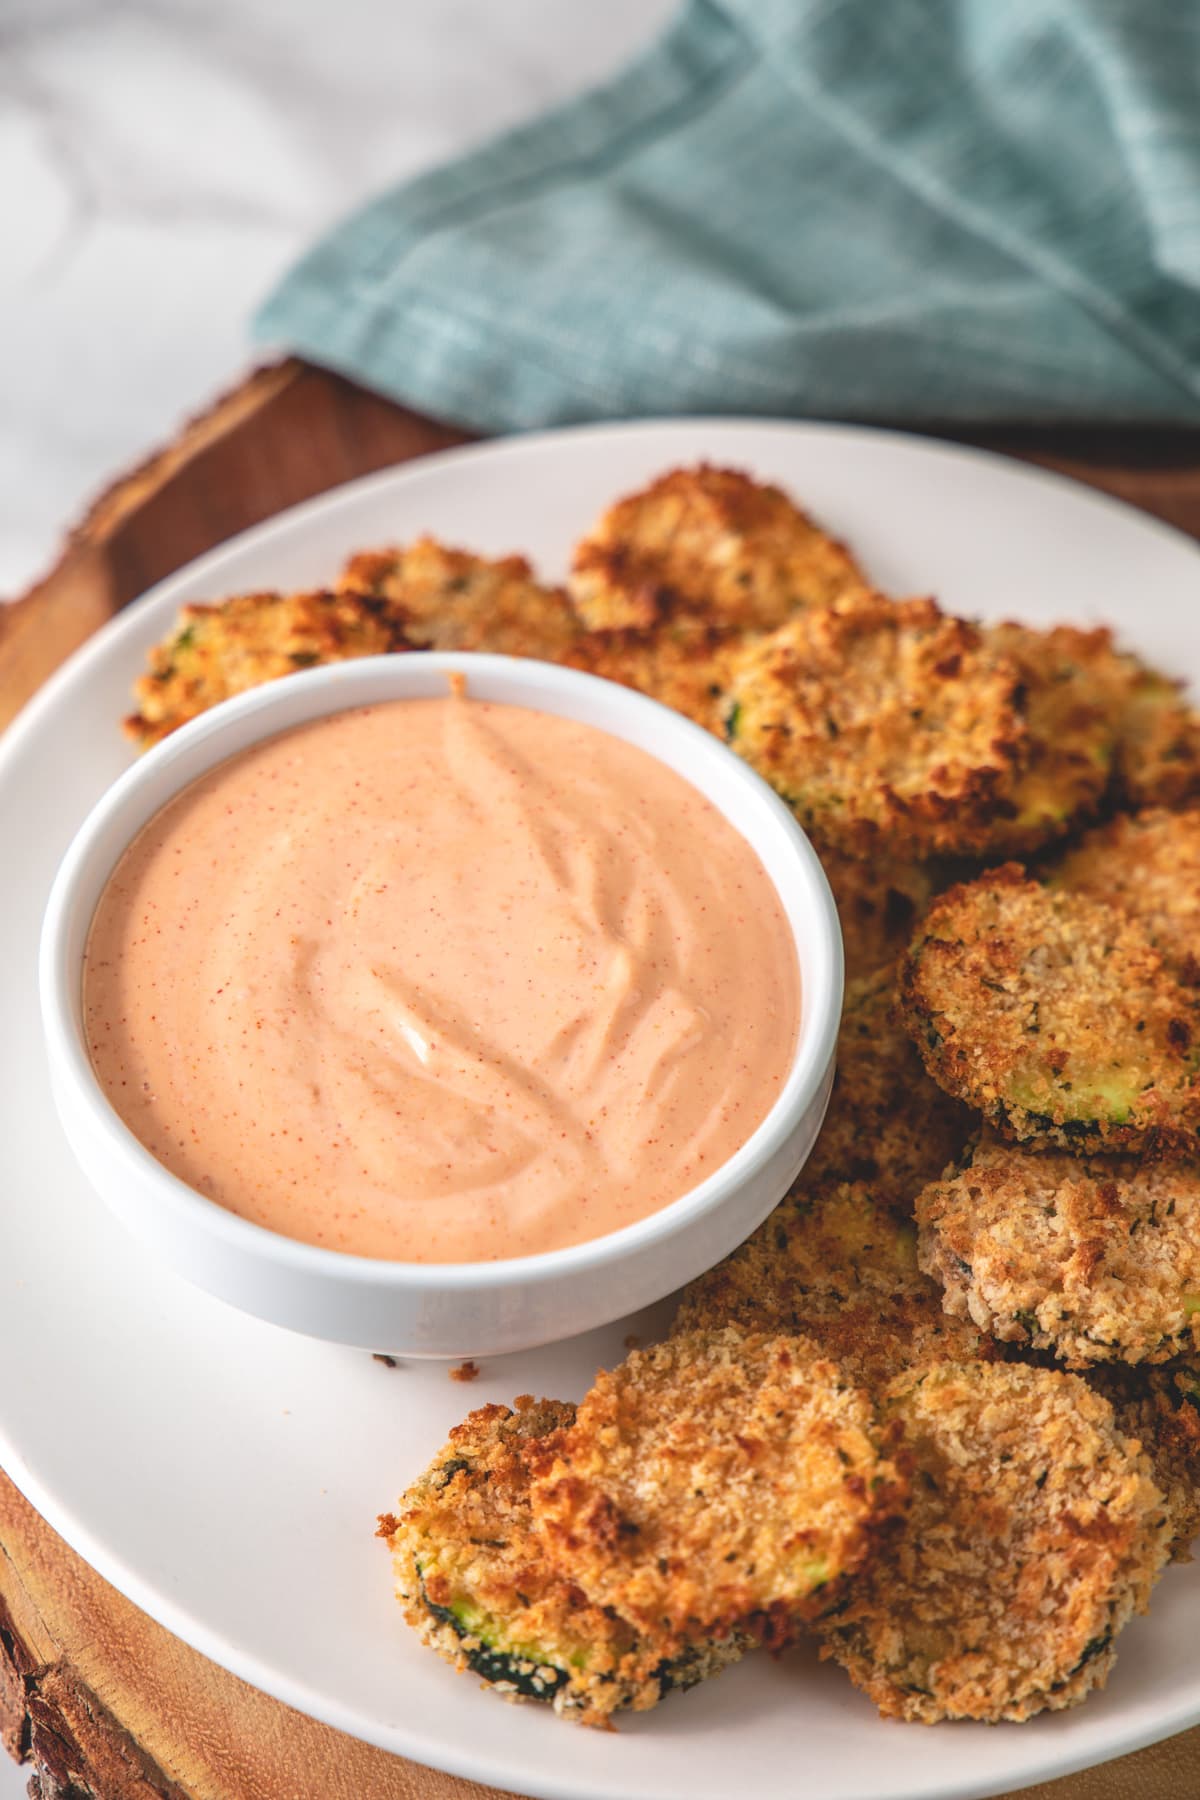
(925, 210)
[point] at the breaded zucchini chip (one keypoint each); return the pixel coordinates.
(888, 1124)
(474, 1583)
(821, 1248)
(1035, 1532)
(712, 543)
(837, 1267)
(886, 725)
(1072, 737)
(1155, 732)
(685, 666)
(1094, 1258)
(1149, 866)
(878, 902)
(217, 651)
(1054, 1015)
(718, 1483)
(453, 600)
(1158, 735)
(1161, 1407)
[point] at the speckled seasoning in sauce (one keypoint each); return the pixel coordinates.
(441, 981)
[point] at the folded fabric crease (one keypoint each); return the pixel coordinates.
(928, 211)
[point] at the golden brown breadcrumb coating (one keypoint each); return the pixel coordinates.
(1153, 731)
(683, 665)
(709, 542)
(837, 1267)
(1149, 866)
(1096, 1259)
(879, 903)
(1161, 1407)
(887, 725)
(1068, 756)
(474, 1583)
(1054, 1015)
(1158, 734)
(1035, 1531)
(217, 651)
(454, 600)
(821, 1247)
(888, 1124)
(715, 1483)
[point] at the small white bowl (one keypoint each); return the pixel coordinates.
(440, 1309)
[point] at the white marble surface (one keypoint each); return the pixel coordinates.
(161, 161)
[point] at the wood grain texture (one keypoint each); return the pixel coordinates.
(286, 433)
(109, 1706)
(103, 1703)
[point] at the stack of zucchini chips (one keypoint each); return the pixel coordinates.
(942, 1411)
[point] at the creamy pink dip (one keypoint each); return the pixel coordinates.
(443, 982)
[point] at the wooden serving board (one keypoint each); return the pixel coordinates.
(101, 1702)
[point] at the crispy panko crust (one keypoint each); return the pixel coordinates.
(1161, 1407)
(1149, 866)
(1054, 1015)
(710, 542)
(1158, 733)
(684, 665)
(474, 1583)
(879, 903)
(838, 1268)
(1072, 738)
(820, 1248)
(453, 600)
(1096, 1259)
(719, 1482)
(217, 651)
(887, 726)
(888, 1124)
(1035, 1532)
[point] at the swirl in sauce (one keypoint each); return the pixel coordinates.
(441, 981)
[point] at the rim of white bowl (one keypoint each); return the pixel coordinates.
(821, 962)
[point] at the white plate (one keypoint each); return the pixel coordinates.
(225, 1474)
